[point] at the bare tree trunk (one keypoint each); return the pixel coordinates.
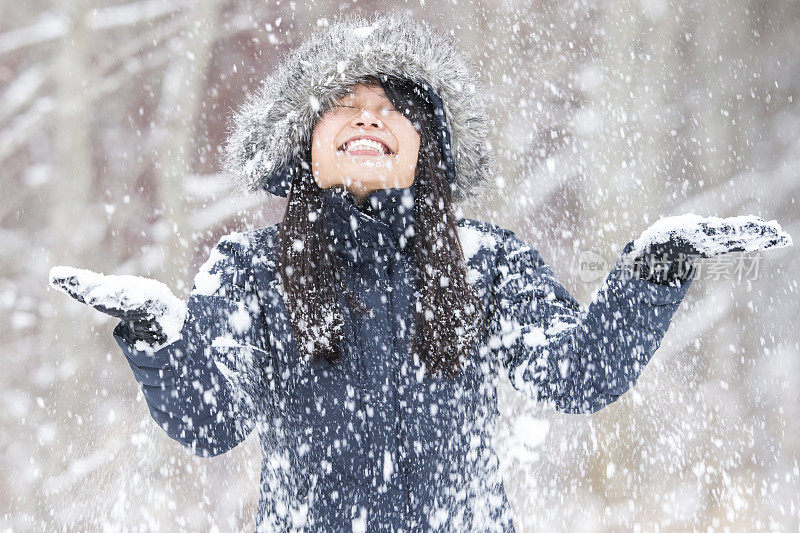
(74, 229)
(73, 186)
(181, 92)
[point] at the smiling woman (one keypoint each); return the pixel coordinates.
(365, 334)
(364, 143)
(374, 151)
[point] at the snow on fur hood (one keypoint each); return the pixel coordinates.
(278, 118)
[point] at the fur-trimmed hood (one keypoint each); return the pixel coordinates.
(277, 119)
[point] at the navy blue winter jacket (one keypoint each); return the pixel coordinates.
(372, 442)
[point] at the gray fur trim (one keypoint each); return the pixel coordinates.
(279, 116)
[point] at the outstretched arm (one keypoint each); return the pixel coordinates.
(198, 364)
(202, 388)
(578, 360)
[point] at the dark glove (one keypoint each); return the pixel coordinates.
(145, 330)
(691, 237)
(666, 262)
(139, 321)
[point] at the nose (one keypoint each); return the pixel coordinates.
(367, 119)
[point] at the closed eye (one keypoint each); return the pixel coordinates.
(387, 109)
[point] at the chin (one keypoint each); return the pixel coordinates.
(379, 184)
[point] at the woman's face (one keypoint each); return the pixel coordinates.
(388, 158)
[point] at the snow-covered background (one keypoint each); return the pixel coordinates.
(607, 116)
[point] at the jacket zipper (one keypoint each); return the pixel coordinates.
(358, 326)
(397, 380)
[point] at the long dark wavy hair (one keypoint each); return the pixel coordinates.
(449, 316)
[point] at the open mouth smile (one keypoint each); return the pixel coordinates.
(367, 146)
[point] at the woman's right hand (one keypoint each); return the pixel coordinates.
(141, 303)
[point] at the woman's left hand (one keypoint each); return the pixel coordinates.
(666, 250)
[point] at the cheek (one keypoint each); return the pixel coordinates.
(408, 136)
(409, 154)
(324, 134)
(319, 137)
(410, 142)
(321, 140)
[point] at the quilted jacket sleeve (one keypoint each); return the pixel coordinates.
(201, 388)
(576, 359)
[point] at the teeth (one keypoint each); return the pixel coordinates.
(364, 144)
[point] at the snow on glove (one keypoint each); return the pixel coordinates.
(691, 236)
(148, 308)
